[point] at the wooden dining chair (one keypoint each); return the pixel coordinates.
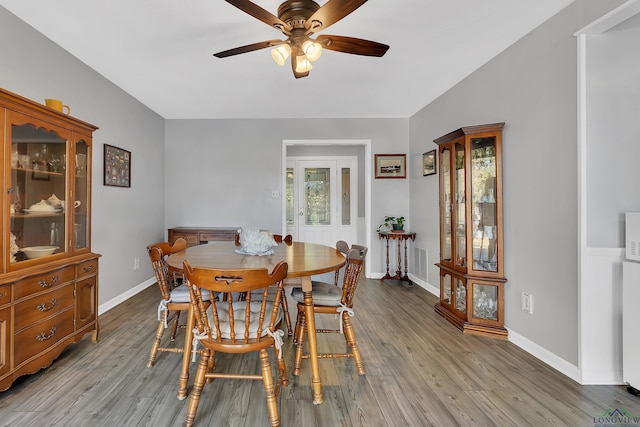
(237, 327)
(174, 295)
(288, 239)
(334, 300)
(343, 248)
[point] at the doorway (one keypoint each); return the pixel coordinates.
(316, 149)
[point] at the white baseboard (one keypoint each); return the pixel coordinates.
(435, 290)
(104, 307)
(545, 356)
(530, 347)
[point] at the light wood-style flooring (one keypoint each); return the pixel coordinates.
(421, 371)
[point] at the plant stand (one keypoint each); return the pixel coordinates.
(401, 238)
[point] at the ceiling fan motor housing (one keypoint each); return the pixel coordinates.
(296, 12)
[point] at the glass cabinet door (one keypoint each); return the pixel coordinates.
(37, 190)
(446, 205)
(485, 302)
(81, 196)
(484, 207)
(459, 207)
(461, 297)
(445, 288)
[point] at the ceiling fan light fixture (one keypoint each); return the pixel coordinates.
(312, 49)
(302, 65)
(281, 53)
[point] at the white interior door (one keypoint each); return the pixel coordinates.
(322, 199)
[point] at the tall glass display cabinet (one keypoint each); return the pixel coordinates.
(48, 274)
(471, 250)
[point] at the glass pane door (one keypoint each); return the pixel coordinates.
(290, 198)
(445, 239)
(317, 185)
(483, 176)
(460, 209)
(317, 196)
(81, 198)
(37, 190)
(485, 301)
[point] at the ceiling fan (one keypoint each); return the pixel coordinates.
(298, 20)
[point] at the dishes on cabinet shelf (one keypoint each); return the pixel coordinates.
(31, 211)
(39, 251)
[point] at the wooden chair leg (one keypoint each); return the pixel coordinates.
(272, 406)
(174, 326)
(211, 366)
(350, 337)
(285, 308)
(156, 344)
(198, 385)
(301, 328)
(296, 331)
(283, 378)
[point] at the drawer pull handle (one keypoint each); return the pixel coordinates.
(43, 306)
(1, 294)
(43, 283)
(43, 336)
(87, 268)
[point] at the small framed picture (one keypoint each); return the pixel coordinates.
(117, 166)
(391, 165)
(429, 163)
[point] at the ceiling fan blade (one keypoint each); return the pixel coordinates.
(248, 48)
(352, 45)
(260, 13)
(330, 13)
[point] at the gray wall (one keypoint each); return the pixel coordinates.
(613, 151)
(532, 87)
(222, 172)
(124, 220)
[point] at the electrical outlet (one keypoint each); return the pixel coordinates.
(526, 302)
(136, 263)
(275, 194)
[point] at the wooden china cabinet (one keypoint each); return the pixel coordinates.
(48, 274)
(471, 250)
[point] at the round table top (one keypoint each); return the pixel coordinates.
(304, 259)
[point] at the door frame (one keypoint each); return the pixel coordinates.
(366, 143)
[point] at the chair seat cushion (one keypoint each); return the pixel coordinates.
(239, 310)
(323, 294)
(181, 294)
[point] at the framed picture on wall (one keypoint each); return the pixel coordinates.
(391, 165)
(117, 166)
(429, 163)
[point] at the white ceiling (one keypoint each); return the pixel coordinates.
(161, 52)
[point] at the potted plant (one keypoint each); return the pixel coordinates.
(391, 223)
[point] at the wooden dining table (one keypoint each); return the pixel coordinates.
(304, 260)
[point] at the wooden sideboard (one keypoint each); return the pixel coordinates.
(202, 235)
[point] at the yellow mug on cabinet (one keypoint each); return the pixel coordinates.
(57, 105)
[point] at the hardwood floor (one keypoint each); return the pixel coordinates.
(420, 371)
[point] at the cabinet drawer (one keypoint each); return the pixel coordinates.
(87, 268)
(37, 338)
(210, 236)
(191, 238)
(5, 295)
(42, 282)
(44, 305)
